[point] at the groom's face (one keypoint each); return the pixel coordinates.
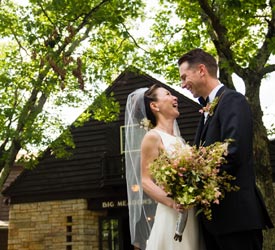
(191, 78)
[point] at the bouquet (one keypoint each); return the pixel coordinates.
(192, 177)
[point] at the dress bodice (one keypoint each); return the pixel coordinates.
(169, 140)
(165, 220)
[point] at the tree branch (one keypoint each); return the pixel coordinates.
(134, 40)
(19, 43)
(89, 14)
(219, 36)
(263, 53)
(268, 69)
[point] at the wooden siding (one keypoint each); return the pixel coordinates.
(3, 239)
(85, 175)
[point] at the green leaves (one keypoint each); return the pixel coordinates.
(105, 108)
(55, 53)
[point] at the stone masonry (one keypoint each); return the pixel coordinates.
(53, 225)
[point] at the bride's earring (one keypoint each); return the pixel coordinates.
(154, 107)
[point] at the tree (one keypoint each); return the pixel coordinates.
(241, 34)
(55, 53)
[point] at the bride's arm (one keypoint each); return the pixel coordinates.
(150, 148)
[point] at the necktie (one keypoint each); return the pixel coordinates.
(203, 101)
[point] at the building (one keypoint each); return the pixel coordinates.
(4, 208)
(81, 203)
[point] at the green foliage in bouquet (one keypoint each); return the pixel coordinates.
(192, 176)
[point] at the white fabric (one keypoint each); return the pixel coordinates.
(163, 230)
(213, 93)
(141, 207)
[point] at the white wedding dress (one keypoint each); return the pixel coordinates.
(163, 230)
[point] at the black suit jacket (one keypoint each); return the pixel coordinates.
(244, 209)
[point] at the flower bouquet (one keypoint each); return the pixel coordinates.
(192, 177)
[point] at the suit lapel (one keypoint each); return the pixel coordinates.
(204, 129)
(199, 131)
(208, 119)
(220, 91)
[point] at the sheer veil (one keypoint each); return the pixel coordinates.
(138, 204)
(141, 207)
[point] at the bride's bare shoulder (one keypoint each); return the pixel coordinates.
(152, 136)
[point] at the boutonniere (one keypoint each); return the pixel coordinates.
(146, 124)
(210, 106)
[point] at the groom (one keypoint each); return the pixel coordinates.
(238, 220)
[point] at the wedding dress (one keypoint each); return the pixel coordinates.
(163, 230)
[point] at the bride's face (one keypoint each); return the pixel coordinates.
(166, 103)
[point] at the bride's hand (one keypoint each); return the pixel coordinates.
(179, 207)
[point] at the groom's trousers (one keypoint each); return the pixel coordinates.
(247, 240)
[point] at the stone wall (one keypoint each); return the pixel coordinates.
(53, 225)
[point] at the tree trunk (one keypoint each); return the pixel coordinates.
(8, 163)
(262, 161)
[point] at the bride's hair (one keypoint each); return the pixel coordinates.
(151, 96)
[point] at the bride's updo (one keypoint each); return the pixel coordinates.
(150, 96)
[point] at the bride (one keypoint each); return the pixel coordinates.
(150, 126)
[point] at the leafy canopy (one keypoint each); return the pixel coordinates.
(55, 54)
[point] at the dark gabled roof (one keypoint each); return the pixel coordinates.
(96, 142)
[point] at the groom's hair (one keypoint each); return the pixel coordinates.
(199, 56)
(151, 96)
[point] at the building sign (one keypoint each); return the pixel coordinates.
(99, 204)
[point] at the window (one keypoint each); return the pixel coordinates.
(122, 139)
(135, 147)
(69, 238)
(110, 234)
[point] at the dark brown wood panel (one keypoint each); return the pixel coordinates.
(94, 169)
